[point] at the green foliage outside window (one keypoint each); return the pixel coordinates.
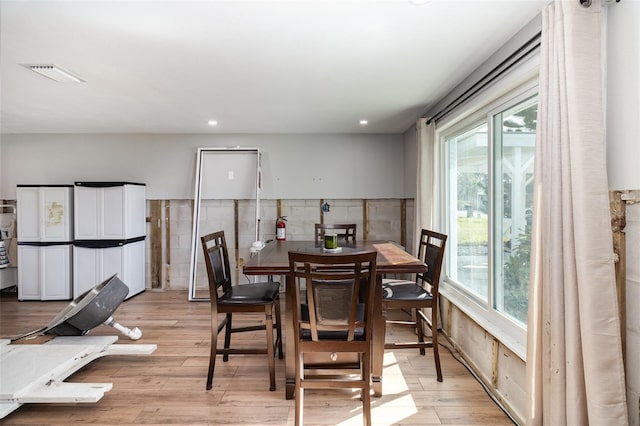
(516, 277)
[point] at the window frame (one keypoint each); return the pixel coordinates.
(510, 332)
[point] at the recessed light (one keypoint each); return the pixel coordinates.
(364, 122)
(212, 123)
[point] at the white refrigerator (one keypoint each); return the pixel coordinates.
(110, 232)
(45, 237)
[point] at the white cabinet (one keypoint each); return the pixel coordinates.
(93, 265)
(109, 210)
(110, 229)
(45, 213)
(44, 272)
(45, 233)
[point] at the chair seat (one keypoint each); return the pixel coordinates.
(254, 293)
(404, 290)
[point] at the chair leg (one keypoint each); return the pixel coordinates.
(299, 392)
(279, 329)
(227, 337)
(434, 340)
(420, 330)
(212, 355)
(270, 352)
(366, 391)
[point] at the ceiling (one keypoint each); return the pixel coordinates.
(305, 66)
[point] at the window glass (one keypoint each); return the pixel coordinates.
(468, 208)
(514, 146)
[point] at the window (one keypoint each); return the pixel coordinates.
(489, 166)
(514, 149)
(468, 209)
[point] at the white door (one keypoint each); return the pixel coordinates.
(222, 174)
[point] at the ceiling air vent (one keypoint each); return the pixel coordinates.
(56, 73)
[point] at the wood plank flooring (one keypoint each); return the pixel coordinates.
(168, 387)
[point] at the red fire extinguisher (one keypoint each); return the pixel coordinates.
(281, 228)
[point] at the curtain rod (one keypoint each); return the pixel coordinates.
(521, 53)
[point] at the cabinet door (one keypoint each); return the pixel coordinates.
(56, 272)
(134, 267)
(112, 263)
(29, 273)
(113, 213)
(86, 270)
(88, 213)
(44, 214)
(92, 266)
(28, 208)
(57, 214)
(135, 211)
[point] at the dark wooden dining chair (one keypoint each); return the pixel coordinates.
(334, 320)
(346, 232)
(419, 294)
(228, 299)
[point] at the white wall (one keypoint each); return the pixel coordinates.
(623, 95)
(293, 165)
(410, 162)
(623, 164)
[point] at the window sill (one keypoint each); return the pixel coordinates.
(514, 340)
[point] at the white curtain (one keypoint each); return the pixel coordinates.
(575, 373)
(425, 138)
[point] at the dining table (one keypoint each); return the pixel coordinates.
(273, 260)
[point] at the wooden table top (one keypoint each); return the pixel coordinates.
(274, 258)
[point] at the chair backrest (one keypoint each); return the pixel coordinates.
(216, 258)
(346, 232)
(339, 295)
(431, 251)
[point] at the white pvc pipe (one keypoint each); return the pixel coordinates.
(134, 334)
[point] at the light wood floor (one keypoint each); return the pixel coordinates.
(168, 387)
